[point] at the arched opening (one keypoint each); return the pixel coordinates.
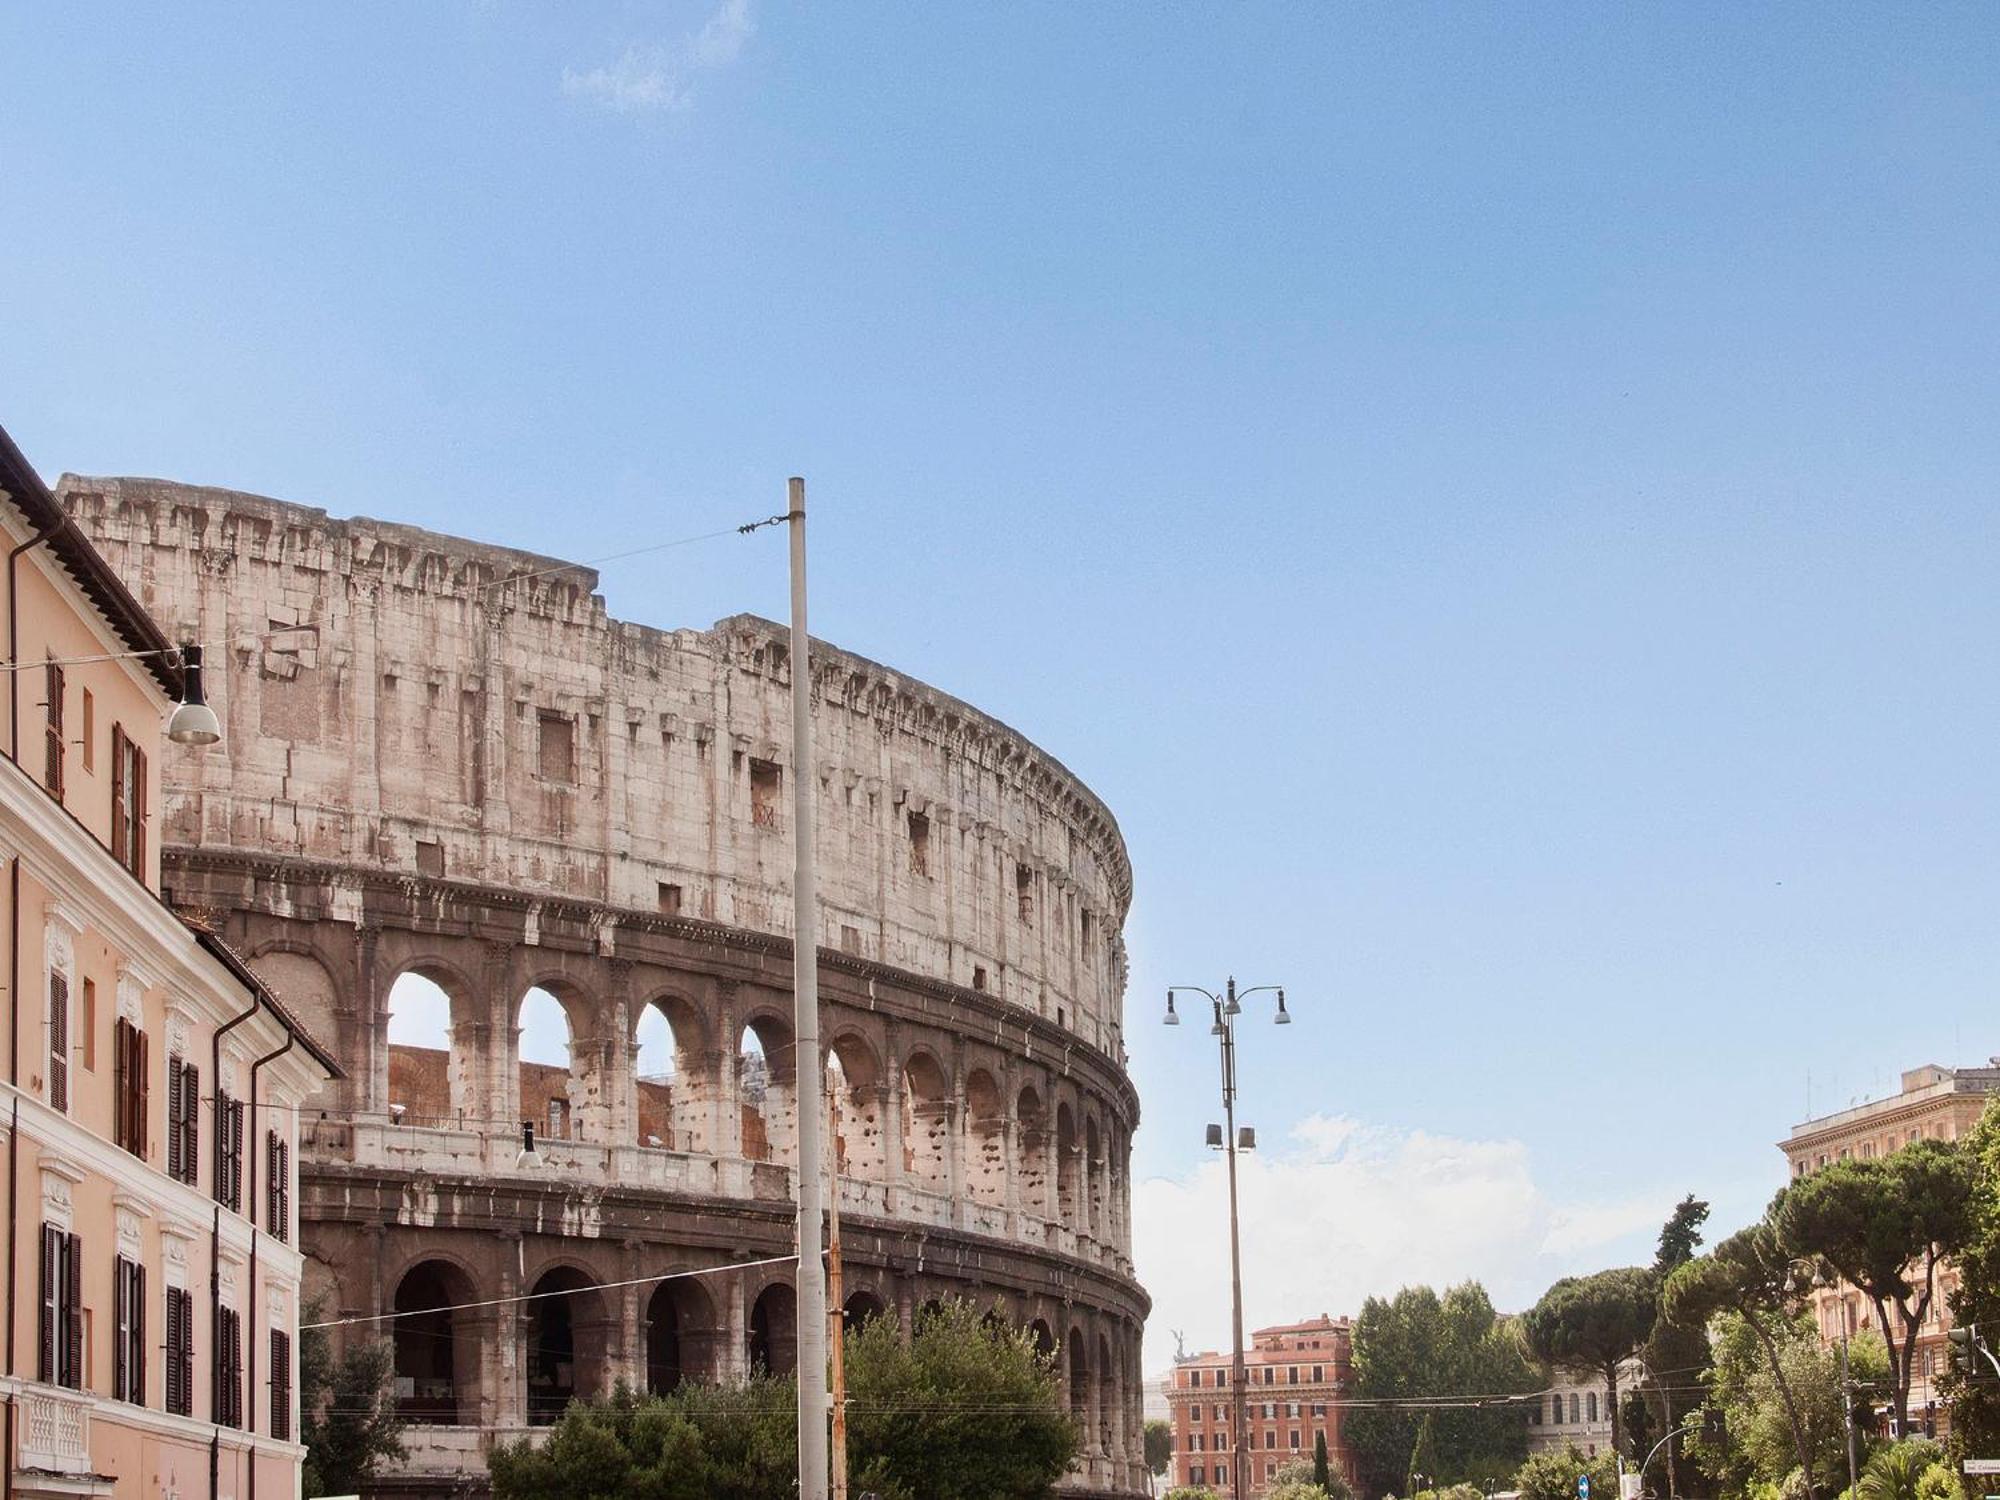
(675, 1097)
(436, 1352)
(855, 1080)
(550, 1095)
(566, 1343)
(861, 1308)
(764, 1088)
(1044, 1337)
(1093, 1179)
(1106, 1393)
(680, 1335)
(774, 1331)
(1033, 1130)
(1079, 1386)
(926, 1124)
(1066, 1154)
(433, 1062)
(985, 1139)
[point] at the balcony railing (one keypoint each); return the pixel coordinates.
(55, 1430)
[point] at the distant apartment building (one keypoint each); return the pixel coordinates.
(1934, 1103)
(151, 1325)
(1295, 1375)
(1575, 1411)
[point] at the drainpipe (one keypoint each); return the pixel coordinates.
(215, 1355)
(14, 635)
(250, 1359)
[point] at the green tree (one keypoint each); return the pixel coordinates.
(697, 1443)
(1897, 1472)
(1748, 1276)
(347, 1410)
(966, 1410)
(1552, 1476)
(1595, 1323)
(1159, 1441)
(1671, 1347)
(1322, 1470)
(1420, 1344)
(1192, 1492)
(1884, 1224)
(1975, 1403)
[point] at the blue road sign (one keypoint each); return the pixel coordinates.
(1583, 1487)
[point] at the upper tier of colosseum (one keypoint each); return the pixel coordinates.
(472, 713)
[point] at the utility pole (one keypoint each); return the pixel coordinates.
(1847, 1401)
(808, 1066)
(836, 1297)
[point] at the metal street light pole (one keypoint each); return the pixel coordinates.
(1227, 1007)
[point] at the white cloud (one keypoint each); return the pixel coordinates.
(654, 77)
(1344, 1210)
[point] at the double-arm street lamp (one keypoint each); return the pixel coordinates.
(1227, 1006)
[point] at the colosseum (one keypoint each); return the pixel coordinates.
(459, 784)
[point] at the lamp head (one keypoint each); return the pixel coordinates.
(1246, 1138)
(1284, 1017)
(1173, 1019)
(194, 722)
(530, 1159)
(1215, 1137)
(1230, 1005)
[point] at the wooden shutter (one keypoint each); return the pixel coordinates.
(174, 1118)
(121, 1061)
(121, 1344)
(72, 1311)
(136, 1360)
(59, 1041)
(180, 1342)
(55, 730)
(190, 1123)
(119, 842)
(281, 1385)
(139, 812)
(284, 1226)
(51, 1284)
(142, 1101)
(236, 1156)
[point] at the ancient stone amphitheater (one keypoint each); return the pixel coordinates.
(468, 772)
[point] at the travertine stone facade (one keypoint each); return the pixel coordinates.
(467, 770)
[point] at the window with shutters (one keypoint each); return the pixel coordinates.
(53, 692)
(278, 1186)
(59, 1359)
(183, 1121)
(281, 1385)
(228, 1151)
(128, 802)
(128, 1046)
(180, 1351)
(228, 1367)
(129, 1354)
(59, 1040)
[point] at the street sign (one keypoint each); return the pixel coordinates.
(1982, 1466)
(1583, 1486)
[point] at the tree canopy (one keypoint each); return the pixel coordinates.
(347, 1411)
(1595, 1323)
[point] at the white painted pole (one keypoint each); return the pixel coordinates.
(809, 1084)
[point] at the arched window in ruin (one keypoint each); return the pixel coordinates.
(765, 1075)
(1093, 1179)
(433, 1065)
(1067, 1151)
(855, 1081)
(1079, 1386)
(680, 1334)
(985, 1139)
(861, 1308)
(436, 1348)
(926, 1124)
(1106, 1393)
(1033, 1133)
(550, 1097)
(674, 1104)
(1045, 1339)
(774, 1331)
(568, 1330)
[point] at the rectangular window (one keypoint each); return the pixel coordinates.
(128, 802)
(228, 1152)
(1194, 1377)
(670, 900)
(557, 748)
(60, 1357)
(89, 731)
(558, 1118)
(128, 1048)
(430, 858)
(1295, 1440)
(1292, 1377)
(228, 1367)
(281, 1385)
(766, 784)
(180, 1351)
(53, 691)
(1024, 895)
(920, 844)
(979, 977)
(1197, 1473)
(278, 1187)
(183, 1120)
(129, 1354)
(1317, 1375)
(59, 1041)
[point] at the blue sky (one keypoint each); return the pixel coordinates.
(1498, 499)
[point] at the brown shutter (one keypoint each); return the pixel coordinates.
(174, 1118)
(138, 1356)
(121, 1343)
(191, 1120)
(54, 691)
(45, 1358)
(59, 1041)
(119, 1062)
(281, 1385)
(142, 1100)
(73, 1310)
(118, 841)
(139, 812)
(179, 1398)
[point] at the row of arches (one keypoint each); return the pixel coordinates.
(675, 1084)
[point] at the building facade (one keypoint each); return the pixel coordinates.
(1934, 1103)
(153, 1084)
(1295, 1375)
(444, 759)
(1575, 1411)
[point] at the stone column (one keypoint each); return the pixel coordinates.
(371, 1090)
(632, 1299)
(505, 1387)
(728, 1137)
(500, 1068)
(892, 1126)
(736, 1322)
(1010, 1142)
(612, 1087)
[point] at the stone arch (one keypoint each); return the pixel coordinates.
(568, 1326)
(674, 1104)
(1066, 1165)
(854, 1072)
(926, 1122)
(1032, 1150)
(433, 1061)
(1107, 1395)
(862, 1307)
(1093, 1178)
(773, 1328)
(1044, 1337)
(436, 1344)
(766, 1076)
(1077, 1358)
(985, 1139)
(681, 1331)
